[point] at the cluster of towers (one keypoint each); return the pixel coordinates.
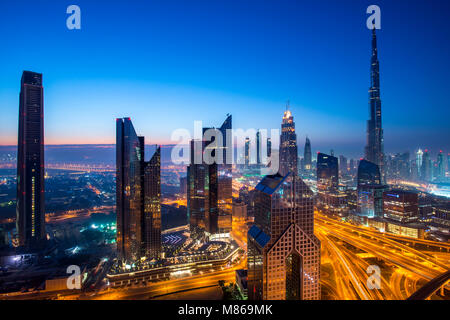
(283, 252)
(138, 196)
(209, 186)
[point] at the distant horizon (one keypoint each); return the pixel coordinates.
(242, 58)
(354, 156)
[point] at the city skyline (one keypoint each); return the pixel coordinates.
(359, 211)
(156, 89)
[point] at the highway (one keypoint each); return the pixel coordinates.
(154, 290)
(404, 271)
(347, 252)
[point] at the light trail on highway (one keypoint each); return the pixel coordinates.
(411, 268)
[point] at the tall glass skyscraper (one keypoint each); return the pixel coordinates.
(283, 252)
(152, 205)
(288, 145)
(370, 190)
(197, 183)
(258, 147)
(307, 156)
(425, 169)
(329, 198)
(137, 195)
(210, 186)
(30, 219)
(374, 151)
(419, 159)
(327, 172)
(440, 166)
(225, 182)
(247, 151)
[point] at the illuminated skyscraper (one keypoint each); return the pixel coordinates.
(225, 182)
(197, 184)
(448, 161)
(307, 157)
(30, 219)
(129, 154)
(288, 145)
(343, 164)
(210, 187)
(247, 151)
(351, 165)
(401, 205)
(368, 173)
(138, 193)
(370, 190)
(258, 147)
(425, 169)
(374, 151)
(152, 206)
(283, 252)
(330, 199)
(399, 166)
(327, 172)
(419, 160)
(440, 166)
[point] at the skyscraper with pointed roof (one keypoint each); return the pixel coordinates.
(283, 252)
(374, 151)
(288, 145)
(138, 196)
(307, 156)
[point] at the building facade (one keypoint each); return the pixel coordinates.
(401, 205)
(283, 252)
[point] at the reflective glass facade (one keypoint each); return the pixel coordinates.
(283, 252)
(30, 211)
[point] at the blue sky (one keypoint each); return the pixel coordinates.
(168, 63)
